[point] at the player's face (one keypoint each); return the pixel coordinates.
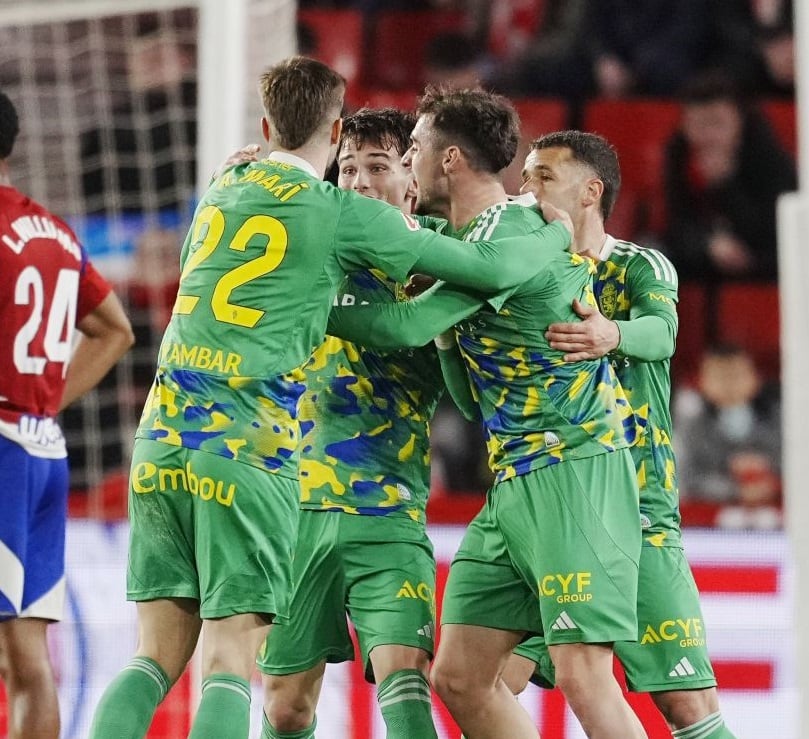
(553, 176)
(376, 173)
(426, 161)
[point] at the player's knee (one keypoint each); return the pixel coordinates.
(452, 684)
(573, 681)
(288, 718)
(31, 673)
(287, 711)
(682, 708)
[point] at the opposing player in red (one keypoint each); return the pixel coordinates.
(49, 289)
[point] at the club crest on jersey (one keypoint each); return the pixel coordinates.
(608, 300)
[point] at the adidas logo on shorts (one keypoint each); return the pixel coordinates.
(563, 623)
(683, 669)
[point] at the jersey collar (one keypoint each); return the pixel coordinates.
(606, 250)
(292, 159)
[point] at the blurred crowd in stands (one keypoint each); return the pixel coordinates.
(696, 95)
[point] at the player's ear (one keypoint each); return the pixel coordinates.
(452, 157)
(265, 129)
(336, 131)
(593, 191)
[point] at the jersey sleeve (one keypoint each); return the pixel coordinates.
(375, 234)
(492, 266)
(456, 378)
(406, 324)
(650, 333)
(93, 288)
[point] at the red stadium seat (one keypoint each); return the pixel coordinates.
(639, 130)
(337, 40)
(748, 315)
(782, 115)
(400, 39)
(537, 116)
(513, 24)
(691, 333)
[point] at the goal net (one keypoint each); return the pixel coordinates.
(123, 107)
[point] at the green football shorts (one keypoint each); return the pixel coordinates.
(553, 552)
(208, 528)
(671, 653)
(380, 570)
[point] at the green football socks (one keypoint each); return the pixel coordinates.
(127, 707)
(268, 732)
(711, 727)
(404, 699)
(224, 709)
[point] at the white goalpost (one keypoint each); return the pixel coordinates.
(793, 244)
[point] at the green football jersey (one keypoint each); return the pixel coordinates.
(632, 282)
(365, 419)
(267, 250)
(537, 409)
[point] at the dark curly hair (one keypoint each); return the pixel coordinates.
(9, 126)
(388, 128)
(483, 124)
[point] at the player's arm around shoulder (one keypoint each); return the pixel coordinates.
(407, 324)
(106, 335)
(650, 334)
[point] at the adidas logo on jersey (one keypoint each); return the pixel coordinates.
(403, 491)
(683, 669)
(563, 623)
(552, 439)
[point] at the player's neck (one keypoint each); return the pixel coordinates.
(472, 196)
(317, 156)
(5, 178)
(588, 234)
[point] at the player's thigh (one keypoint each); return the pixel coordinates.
(471, 655)
(390, 570)
(317, 630)
(230, 644)
(168, 630)
(484, 588)
(24, 646)
(209, 528)
(33, 496)
(671, 652)
(573, 531)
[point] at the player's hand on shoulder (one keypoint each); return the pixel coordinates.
(552, 214)
(245, 155)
